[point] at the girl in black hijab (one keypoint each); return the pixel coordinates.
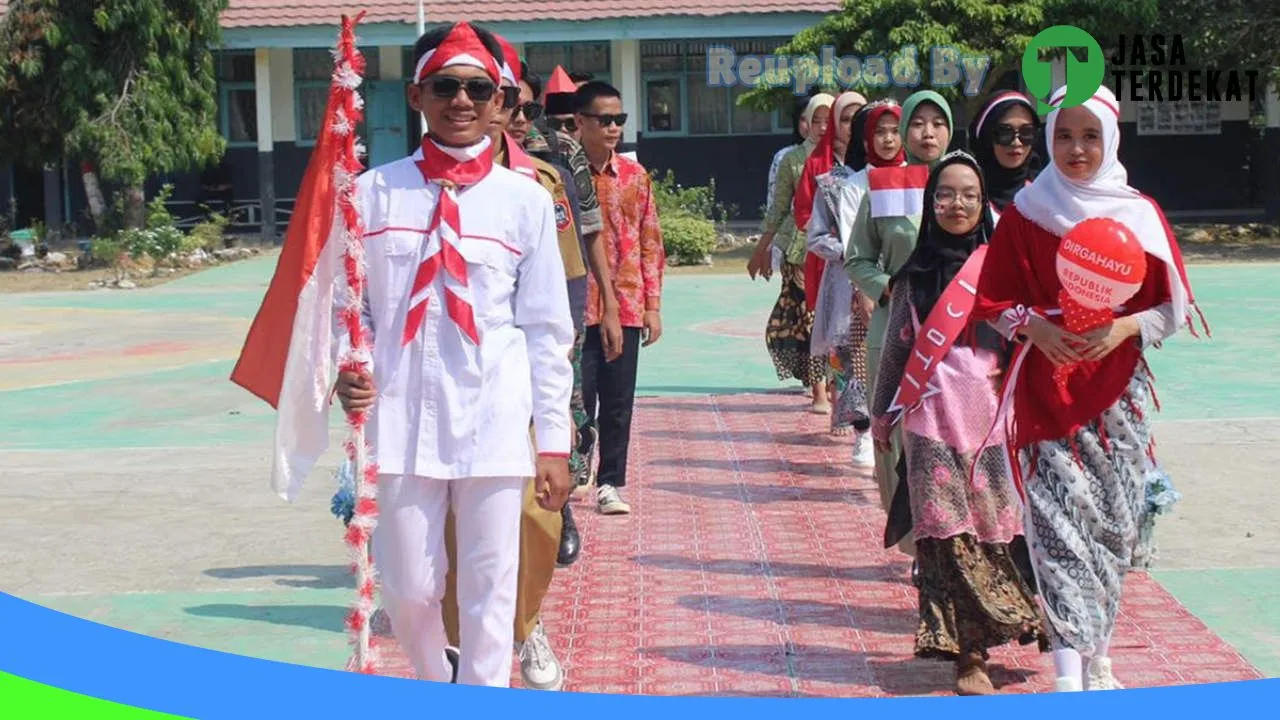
(964, 509)
(1003, 137)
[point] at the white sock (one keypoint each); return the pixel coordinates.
(1067, 663)
(1103, 648)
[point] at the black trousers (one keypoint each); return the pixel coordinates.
(610, 387)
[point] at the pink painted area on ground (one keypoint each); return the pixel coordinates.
(753, 564)
(144, 350)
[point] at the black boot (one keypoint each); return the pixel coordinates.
(452, 656)
(570, 541)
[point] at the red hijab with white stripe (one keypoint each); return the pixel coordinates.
(1057, 203)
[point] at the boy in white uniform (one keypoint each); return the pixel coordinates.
(469, 313)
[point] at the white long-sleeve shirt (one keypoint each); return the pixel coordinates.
(835, 208)
(447, 408)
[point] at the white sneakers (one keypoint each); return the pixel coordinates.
(1099, 676)
(539, 667)
(609, 502)
(864, 451)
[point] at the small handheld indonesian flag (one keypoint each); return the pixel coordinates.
(897, 191)
(287, 359)
(949, 317)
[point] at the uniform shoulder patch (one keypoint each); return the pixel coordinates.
(563, 214)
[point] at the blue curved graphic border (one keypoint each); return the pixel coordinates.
(83, 657)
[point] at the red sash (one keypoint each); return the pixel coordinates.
(935, 337)
(519, 160)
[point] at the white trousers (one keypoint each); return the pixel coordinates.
(409, 552)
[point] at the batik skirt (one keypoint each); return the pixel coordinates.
(788, 331)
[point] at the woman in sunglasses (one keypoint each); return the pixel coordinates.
(1003, 138)
(972, 595)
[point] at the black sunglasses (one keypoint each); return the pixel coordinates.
(606, 120)
(478, 89)
(510, 97)
(1005, 135)
(567, 124)
(532, 111)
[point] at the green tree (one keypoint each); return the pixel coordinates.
(999, 30)
(124, 87)
(1226, 34)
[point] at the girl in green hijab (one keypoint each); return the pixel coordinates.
(884, 236)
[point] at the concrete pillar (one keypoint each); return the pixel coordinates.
(283, 123)
(266, 144)
(624, 64)
(1271, 156)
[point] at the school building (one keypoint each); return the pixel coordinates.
(274, 65)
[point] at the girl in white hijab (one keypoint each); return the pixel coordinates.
(1083, 454)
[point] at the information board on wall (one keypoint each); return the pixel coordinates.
(1179, 118)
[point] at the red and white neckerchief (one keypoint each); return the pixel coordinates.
(443, 237)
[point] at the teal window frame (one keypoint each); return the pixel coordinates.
(300, 85)
(684, 105)
(225, 88)
(564, 50)
(779, 125)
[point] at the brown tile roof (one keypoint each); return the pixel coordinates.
(286, 13)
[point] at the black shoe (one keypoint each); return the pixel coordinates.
(451, 654)
(570, 540)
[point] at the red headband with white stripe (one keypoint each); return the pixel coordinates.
(511, 64)
(1103, 96)
(461, 47)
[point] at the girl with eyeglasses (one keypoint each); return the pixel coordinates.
(838, 332)
(1083, 452)
(884, 234)
(972, 594)
(1003, 137)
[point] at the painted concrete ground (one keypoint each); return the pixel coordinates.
(135, 479)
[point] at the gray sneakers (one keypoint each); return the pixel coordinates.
(539, 667)
(610, 502)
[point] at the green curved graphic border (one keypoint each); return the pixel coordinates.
(23, 699)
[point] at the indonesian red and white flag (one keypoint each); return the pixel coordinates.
(897, 191)
(289, 357)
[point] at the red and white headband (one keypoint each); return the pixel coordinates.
(1103, 96)
(999, 100)
(461, 47)
(511, 61)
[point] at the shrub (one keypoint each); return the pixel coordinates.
(687, 237)
(207, 235)
(673, 198)
(158, 216)
(158, 244)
